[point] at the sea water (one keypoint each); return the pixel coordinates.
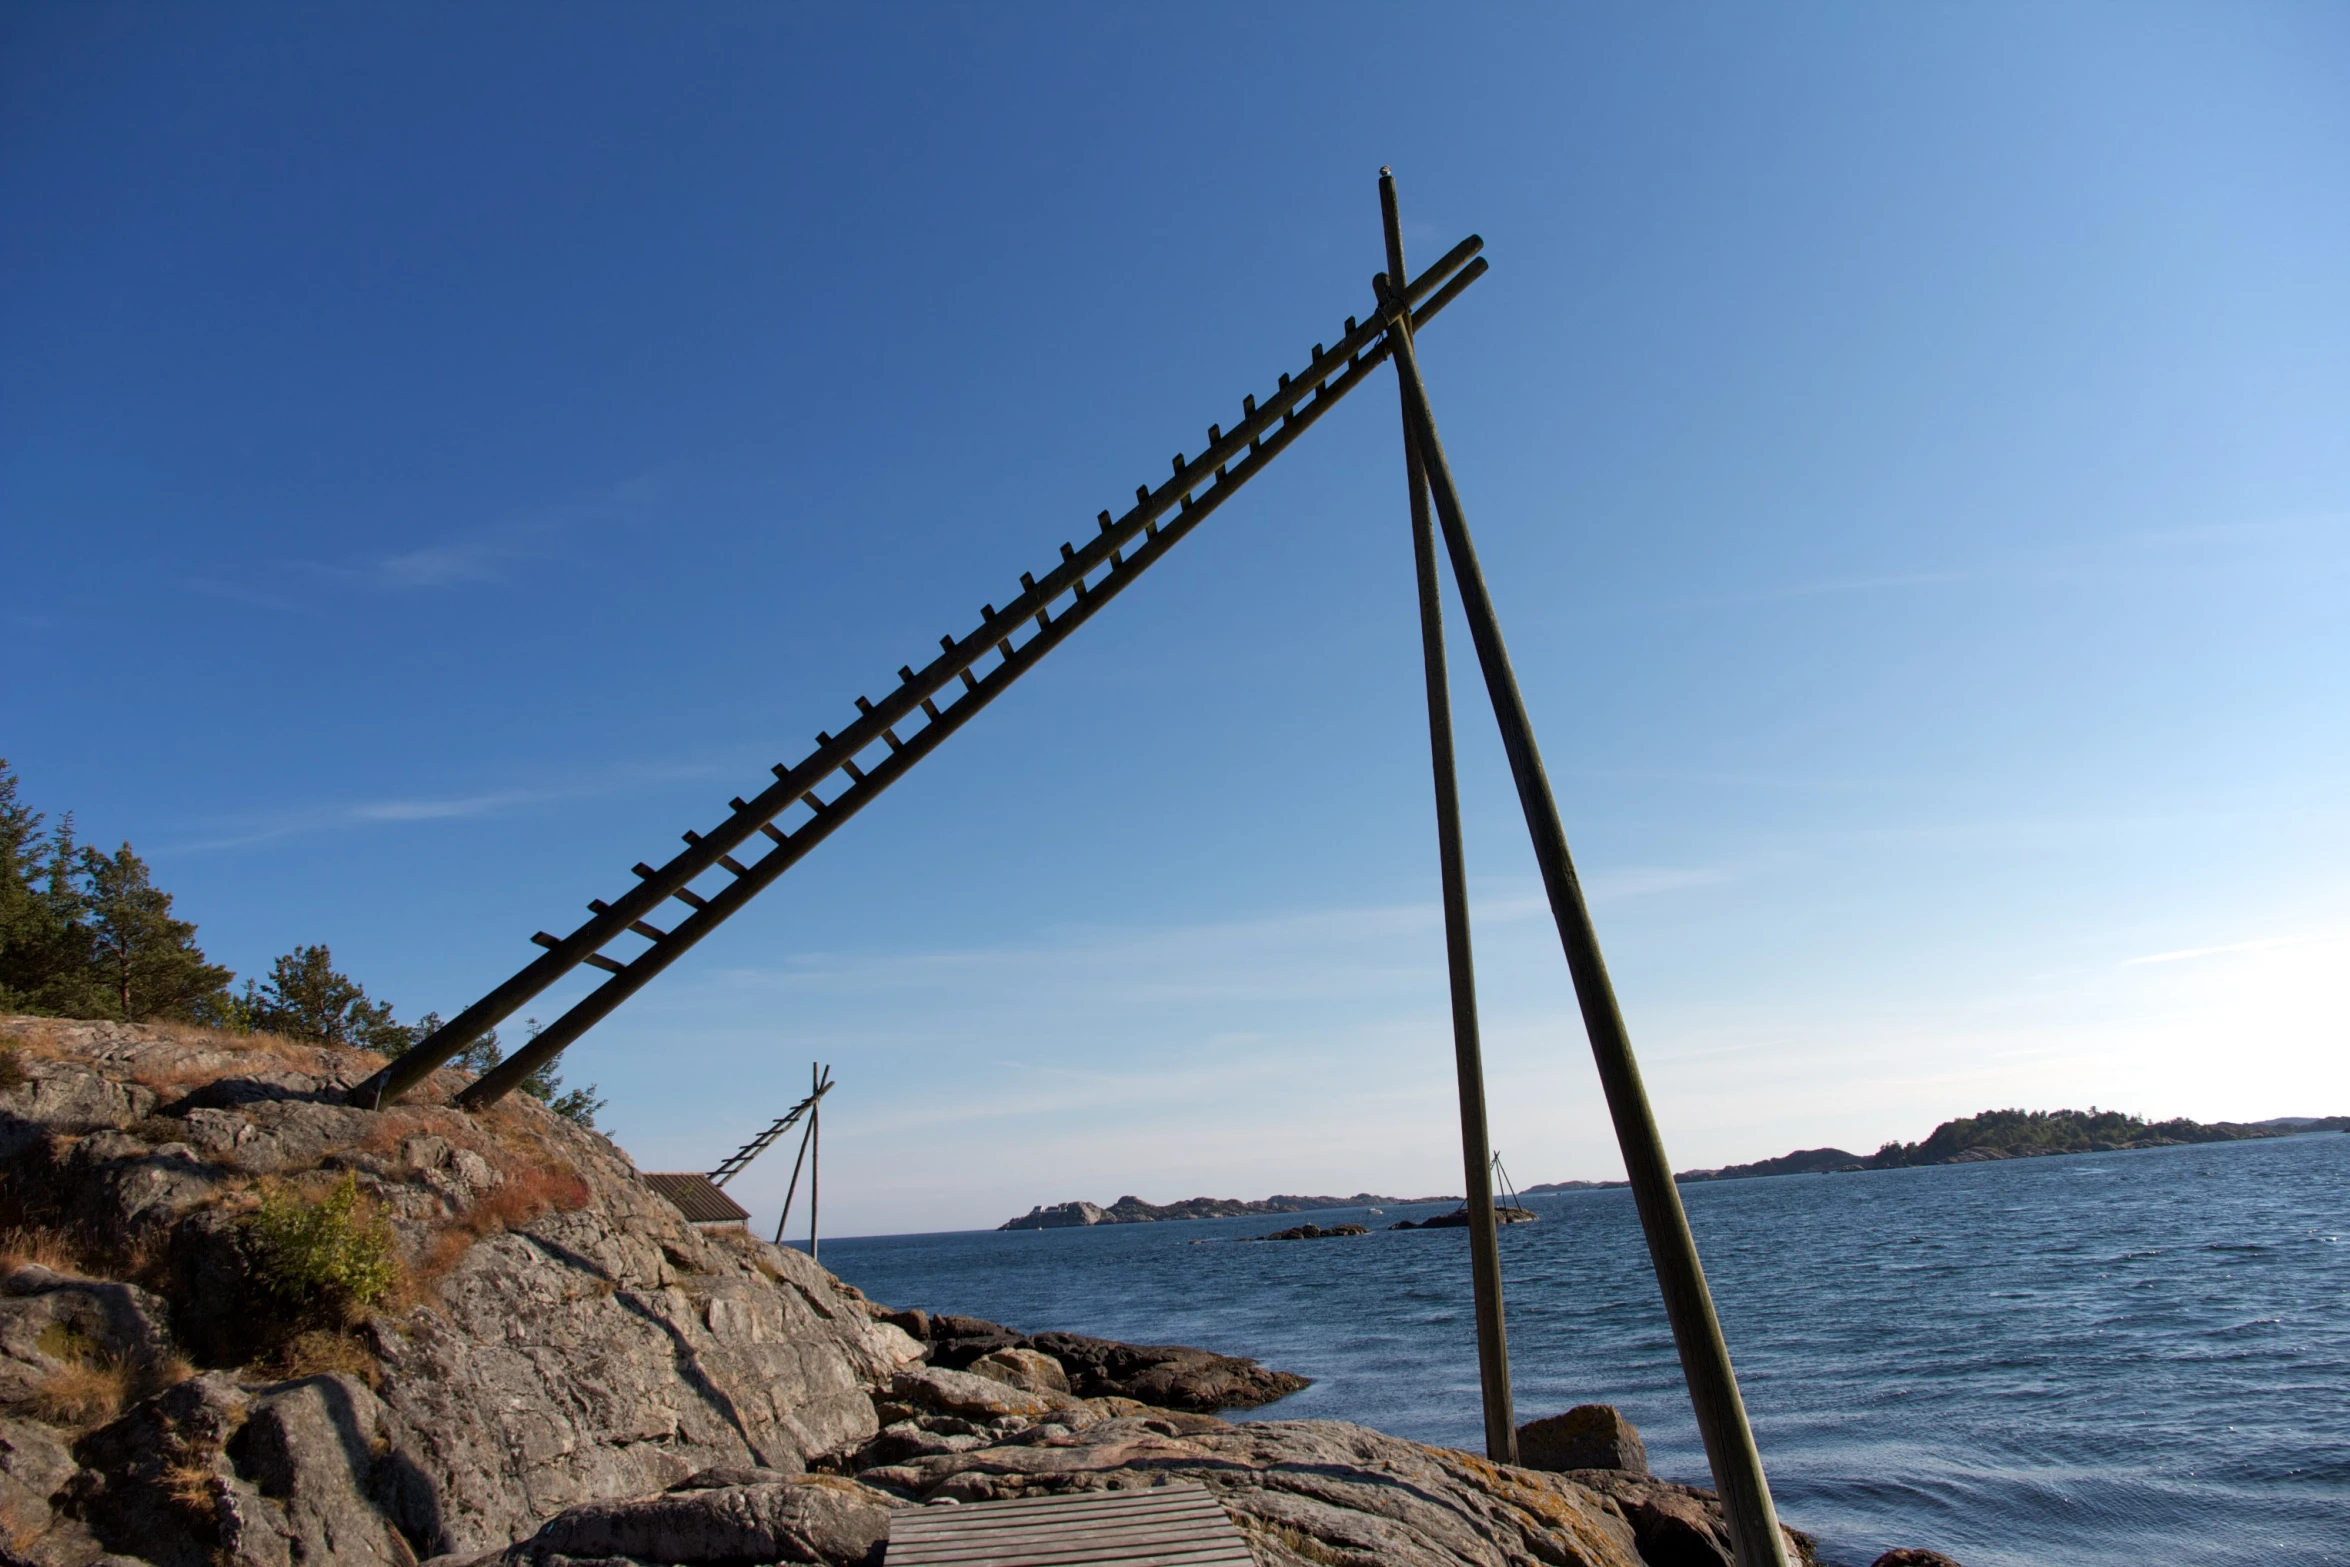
(2105, 1358)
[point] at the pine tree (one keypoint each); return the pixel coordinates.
(26, 930)
(142, 962)
(543, 1084)
(304, 998)
(44, 946)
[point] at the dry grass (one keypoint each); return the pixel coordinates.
(42, 1247)
(319, 1351)
(195, 1491)
(390, 1128)
(526, 1196)
(82, 1394)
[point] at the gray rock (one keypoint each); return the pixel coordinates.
(591, 1346)
(1678, 1525)
(971, 1396)
(50, 1320)
(834, 1522)
(156, 1483)
(1308, 1492)
(1170, 1376)
(1589, 1436)
(311, 1449)
(1027, 1369)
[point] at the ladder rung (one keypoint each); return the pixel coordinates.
(814, 804)
(545, 940)
(649, 932)
(931, 708)
(726, 860)
(852, 769)
(733, 866)
(644, 871)
(690, 898)
(604, 963)
(772, 831)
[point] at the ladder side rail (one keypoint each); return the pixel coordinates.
(551, 1041)
(1268, 425)
(735, 1163)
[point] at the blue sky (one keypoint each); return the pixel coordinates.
(445, 452)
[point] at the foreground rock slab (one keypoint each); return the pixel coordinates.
(1312, 1493)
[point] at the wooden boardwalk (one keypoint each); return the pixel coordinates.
(1177, 1525)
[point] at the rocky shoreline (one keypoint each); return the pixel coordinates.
(533, 1360)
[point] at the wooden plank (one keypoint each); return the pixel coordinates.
(1042, 1545)
(1155, 1498)
(1028, 1511)
(1179, 1525)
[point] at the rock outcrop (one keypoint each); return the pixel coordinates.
(1325, 1493)
(1458, 1219)
(568, 1373)
(562, 1336)
(1312, 1232)
(1172, 1376)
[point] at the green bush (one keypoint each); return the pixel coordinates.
(325, 1256)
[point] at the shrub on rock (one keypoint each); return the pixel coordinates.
(323, 1258)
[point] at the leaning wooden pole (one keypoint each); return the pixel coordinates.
(1493, 1349)
(815, 1166)
(1689, 1307)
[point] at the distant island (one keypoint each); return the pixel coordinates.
(1974, 1139)
(1133, 1210)
(2021, 1134)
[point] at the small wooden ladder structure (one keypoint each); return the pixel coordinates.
(1174, 1525)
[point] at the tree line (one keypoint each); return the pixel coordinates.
(87, 934)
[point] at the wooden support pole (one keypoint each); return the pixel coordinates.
(815, 1154)
(1689, 1307)
(1493, 1349)
(793, 1190)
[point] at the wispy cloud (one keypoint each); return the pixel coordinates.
(470, 560)
(296, 821)
(441, 810)
(485, 554)
(245, 593)
(2262, 944)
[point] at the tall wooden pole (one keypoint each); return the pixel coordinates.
(815, 1151)
(1493, 1349)
(1689, 1307)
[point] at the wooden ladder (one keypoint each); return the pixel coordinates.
(812, 797)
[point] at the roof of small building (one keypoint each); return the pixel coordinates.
(699, 1199)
